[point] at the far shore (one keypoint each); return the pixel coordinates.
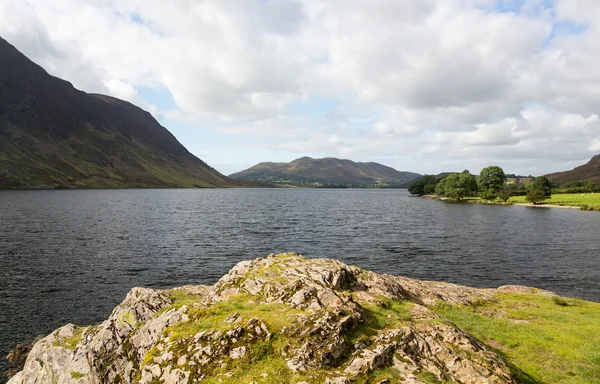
(508, 203)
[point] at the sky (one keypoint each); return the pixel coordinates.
(424, 86)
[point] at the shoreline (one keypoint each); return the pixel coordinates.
(549, 206)
(508, 203)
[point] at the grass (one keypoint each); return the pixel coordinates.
(568, 199)
(383, 314)
(263, 362)
(93, 159)
(551, 340)
(275, 315)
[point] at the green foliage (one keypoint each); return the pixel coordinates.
(457, 186)
(535, 196)
(588, 186)
(552, 340)
(541, 183)
(504, 194)
(490, 182)
(440, 188)
(424, 186)
(488, 194)
(538, 190)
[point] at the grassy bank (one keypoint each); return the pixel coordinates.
(550, 339)
(591, 200)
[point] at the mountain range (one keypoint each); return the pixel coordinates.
(55, 136)
(327, 172)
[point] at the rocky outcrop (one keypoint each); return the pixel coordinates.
(277, 319)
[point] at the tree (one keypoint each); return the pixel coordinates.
(439, 188)
(504, 194)
(457, 186)
(538, 190)
(490, 182)
(424, 186)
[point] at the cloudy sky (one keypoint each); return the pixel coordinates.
(425, 86)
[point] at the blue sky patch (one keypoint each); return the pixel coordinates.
(162, 99)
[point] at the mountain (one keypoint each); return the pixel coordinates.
(589, 171)
(55, 136)
(307, 171)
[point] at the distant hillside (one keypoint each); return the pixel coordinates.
(54, 136)
(330, 172)
(589, 171)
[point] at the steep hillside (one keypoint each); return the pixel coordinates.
(306, 171)
(589, 171)
(55, 136)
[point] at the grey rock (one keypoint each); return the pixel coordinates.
(317, 304)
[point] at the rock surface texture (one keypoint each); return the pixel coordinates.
(279, 319)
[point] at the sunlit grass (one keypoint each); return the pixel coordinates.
(552, 340)
(570, 199)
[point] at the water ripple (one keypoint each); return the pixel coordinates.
(71, 256)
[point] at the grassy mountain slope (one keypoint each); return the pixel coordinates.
(55, 136)
(307, 171)
(589, 171)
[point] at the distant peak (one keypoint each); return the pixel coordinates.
(304, 158)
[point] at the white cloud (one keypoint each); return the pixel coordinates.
(452, 82)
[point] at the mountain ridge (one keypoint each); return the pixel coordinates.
(588, 171)
(53, 135)
(328, 171)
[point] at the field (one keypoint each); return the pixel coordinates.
(522, 180)
(571, 199)
(550, 339)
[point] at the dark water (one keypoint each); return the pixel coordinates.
(71, 256)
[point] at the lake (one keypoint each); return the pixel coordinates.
(71, 256)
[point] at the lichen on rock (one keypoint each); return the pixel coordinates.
(279, 319)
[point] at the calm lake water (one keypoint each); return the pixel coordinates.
(71, 256)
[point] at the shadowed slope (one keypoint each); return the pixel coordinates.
(589, 171)
(55, 136)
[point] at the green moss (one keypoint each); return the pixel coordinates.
(551, 340)
(126, 317)
(70, 342)
(150, 355)
(77, 375)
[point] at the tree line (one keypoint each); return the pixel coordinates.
(489, 185)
